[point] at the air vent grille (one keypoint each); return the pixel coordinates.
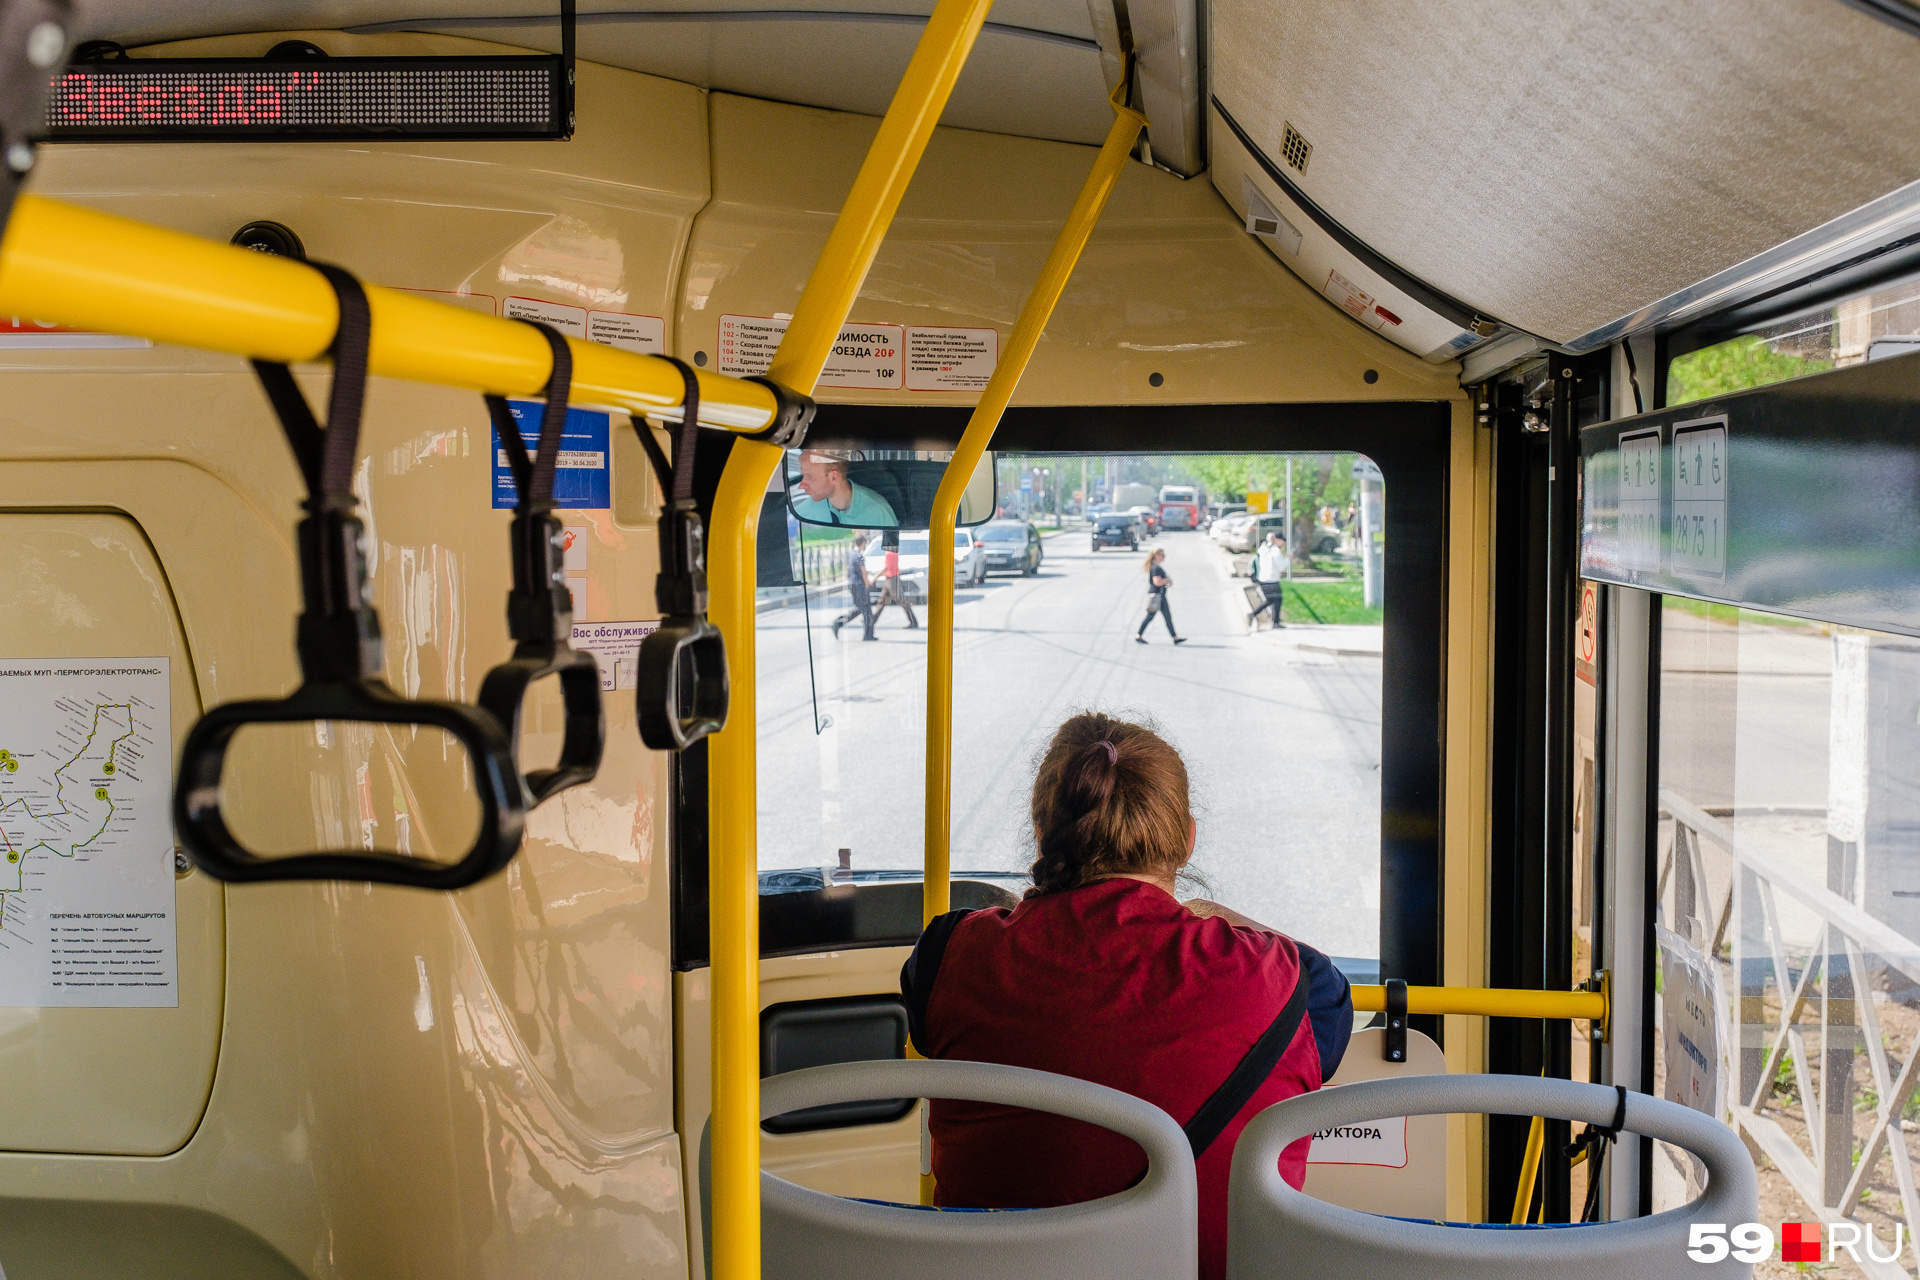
(1296, 150)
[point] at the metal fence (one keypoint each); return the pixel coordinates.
(1805, 1009)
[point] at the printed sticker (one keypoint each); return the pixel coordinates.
(86, 831)
(1382, 1143)
(628, 332)
(1698, 534)
(581, 480)
(571, 321)
(616, 646)
(864, 356)
(950, 359)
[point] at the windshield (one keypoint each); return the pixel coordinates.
(913, 546)
(1114, 522)
(1003, 533)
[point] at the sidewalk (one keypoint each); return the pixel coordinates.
(1343, 640)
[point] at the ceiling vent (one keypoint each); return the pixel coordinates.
(1296, 150)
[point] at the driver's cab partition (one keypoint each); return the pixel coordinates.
(839, 913)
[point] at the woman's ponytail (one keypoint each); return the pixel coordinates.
(1109, 798)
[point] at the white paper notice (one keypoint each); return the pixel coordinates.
(951, 359)
(1699, 538)
(1382, 1143)
(86, 822)
(645, 334)
(571, 321)
(1639, 536)
(616, 646)
(865, 356)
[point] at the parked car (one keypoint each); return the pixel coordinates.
(1115, 531)
(1149, 519)
(1219, 511)
(969, 561)
(1254, 530)
(1225, 527)
(1326, 540)
(1010, 546)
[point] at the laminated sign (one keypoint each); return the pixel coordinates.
(1690, 1023)
(86, 831)
(1381, 1143)
(582, 480)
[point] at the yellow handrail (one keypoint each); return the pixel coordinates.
(733, 888)
(1491, 1002)
(87, 270)
(937, 893)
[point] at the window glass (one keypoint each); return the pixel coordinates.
(1280, 728)
(1789, 855)
(1870, 327)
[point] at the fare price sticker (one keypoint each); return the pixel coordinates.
(1697, 537)
(864, 357)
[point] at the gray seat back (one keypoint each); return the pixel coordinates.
(1149, 1230)
(1275, 1231)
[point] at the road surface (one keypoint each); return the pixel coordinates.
(1282, 742)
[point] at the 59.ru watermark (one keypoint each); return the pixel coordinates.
(1799, 1242)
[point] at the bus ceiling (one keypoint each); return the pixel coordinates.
(1461, 179)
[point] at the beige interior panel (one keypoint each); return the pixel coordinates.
(85, 584)
(409, 1083)
(1416, 1188)
(1170, 284)
(875, 1161)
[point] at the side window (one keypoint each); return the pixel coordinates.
(1873, 326)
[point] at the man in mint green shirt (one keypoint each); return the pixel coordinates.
(831, 498)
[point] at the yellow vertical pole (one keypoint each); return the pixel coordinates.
(734, 905)
(937, 896)
(1529, 1171)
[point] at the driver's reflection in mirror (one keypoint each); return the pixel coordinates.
(831, 498)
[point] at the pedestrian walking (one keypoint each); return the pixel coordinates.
(890, 590)
(1158, 580)
(858, 581)
(1269, 565)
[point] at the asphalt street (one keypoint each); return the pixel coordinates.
(1280, 731)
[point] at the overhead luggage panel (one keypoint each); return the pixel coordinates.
(1566, 175)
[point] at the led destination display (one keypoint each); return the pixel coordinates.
(243, 98)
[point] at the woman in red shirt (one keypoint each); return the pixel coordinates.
(1103, 974)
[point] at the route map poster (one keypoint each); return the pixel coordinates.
(86, 831)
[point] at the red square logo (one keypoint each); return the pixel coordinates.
(1799, 1242)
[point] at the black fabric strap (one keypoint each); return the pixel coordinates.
(1218, 1111)
(326, 456)
(675, 474)
(925, 967)
(533, 476)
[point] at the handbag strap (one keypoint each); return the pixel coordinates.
(1218, 1111)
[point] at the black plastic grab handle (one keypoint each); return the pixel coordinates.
(539, 607)
(683, 691)
(503, 696)
(203, 828)
(338, 642)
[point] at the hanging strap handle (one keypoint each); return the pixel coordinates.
(341, 664)
(539, 607)
(682, 677)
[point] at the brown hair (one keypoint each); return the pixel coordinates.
(1109, 798)
(1153, 557)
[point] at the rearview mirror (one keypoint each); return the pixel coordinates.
(880, 488)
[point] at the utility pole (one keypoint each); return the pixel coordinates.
(1289, 518)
